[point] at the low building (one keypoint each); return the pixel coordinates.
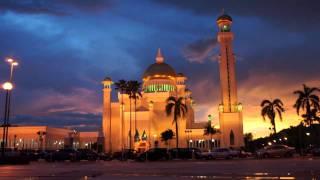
(48, 138)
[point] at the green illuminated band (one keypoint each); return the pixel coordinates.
(159, 88)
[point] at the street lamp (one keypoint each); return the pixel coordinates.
(7, 86)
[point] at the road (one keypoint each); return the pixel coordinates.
(307, 168)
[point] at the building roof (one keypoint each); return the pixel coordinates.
(224, 17)
(159, 68)
(107, 79)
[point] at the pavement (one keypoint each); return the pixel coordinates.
(293, 168)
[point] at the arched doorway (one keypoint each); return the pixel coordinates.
(231, 138)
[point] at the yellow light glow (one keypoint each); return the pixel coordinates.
(10, 60)
(7, 86)
(15, 63)
(239, 107)
(220, 108)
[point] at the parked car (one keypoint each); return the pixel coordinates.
(13, 156)
(235, 152)
(154, 155)
(104, 156)
(316, 151)
(32, 155)
(219, 153)
(185, 153)
(10, 152)
(244, 154)
(63, 154)
(125, 155)
(275, 151)
(87, 154)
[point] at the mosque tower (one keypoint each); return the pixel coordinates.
(106, 114)
(230, 111)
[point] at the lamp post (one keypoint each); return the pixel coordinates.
(7, 86)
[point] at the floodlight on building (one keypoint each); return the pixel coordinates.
(239, 107)
(220, 108)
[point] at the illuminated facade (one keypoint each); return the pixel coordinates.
(230, 110)
(160, 81)
(49, 138)
(148, 119)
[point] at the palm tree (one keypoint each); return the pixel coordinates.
(166, 136)
(130, 87)
(135, 94)
(121, 87)
(179, 109)
(210, 130)
(307, 99)
(270, 109)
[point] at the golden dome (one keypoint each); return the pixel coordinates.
(159, 69)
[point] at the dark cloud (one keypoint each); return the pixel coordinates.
(78, 121)
(56, 7)
(201, 50)
(291, 14)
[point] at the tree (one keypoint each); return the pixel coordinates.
(121, 87)
(176, 107)
(166, 136)
(210, 130)
(135, 94)
(308, 101)
(248, 137)
(129, 89)
(270, 109)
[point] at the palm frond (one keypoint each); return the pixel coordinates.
(265, 102)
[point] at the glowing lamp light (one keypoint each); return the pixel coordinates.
(285, 138)
(15, 64)
(10, 60)
(307, 133)
(239, 107)
(220, 108)
(7, 86)
(269, 143)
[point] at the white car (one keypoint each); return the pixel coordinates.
(219, 153)
(275, 151)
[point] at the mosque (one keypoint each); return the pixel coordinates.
(146, 119)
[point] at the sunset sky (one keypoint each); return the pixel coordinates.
(66, 47)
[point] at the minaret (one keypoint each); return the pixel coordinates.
(106, 116)
(230, 111)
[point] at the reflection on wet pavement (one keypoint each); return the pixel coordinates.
(231, 169)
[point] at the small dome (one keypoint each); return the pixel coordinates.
(159, 69)
(107, 79)
(224, 17)
(180, 75)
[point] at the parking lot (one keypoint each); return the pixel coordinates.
(283, 168)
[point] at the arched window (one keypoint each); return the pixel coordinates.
(231, 138)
